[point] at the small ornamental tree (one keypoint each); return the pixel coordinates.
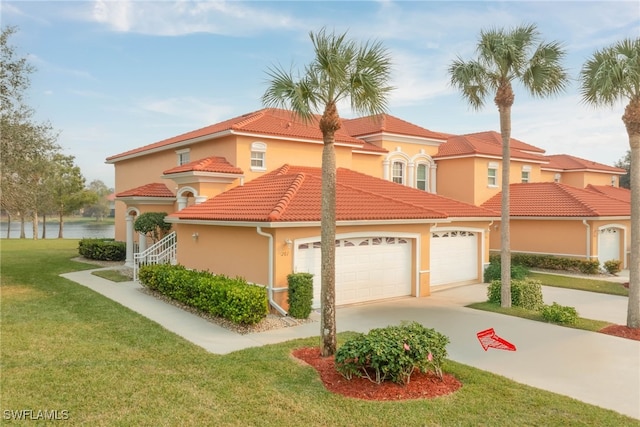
(152, 225)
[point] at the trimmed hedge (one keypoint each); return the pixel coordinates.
(551, 262)
(103, 249)
(300, 294)
(392, 353)
(524, 293)
(218, 295)
(557, 313)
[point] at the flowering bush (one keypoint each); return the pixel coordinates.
(392, 353)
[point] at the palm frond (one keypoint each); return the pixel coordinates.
(472, 80)
(545, 75)
(612, 74)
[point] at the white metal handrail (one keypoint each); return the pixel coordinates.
(161, 252)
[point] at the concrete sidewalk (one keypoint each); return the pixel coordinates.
(595, 368)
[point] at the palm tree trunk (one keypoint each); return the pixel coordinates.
(633, 310)
(505, 238)
(328, 249)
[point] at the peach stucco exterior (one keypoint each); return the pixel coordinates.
(396, 151)
(564, 237)
(239, 251)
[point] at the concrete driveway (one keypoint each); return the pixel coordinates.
(595, 368)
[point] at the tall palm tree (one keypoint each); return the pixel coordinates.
(341, 69)
(504, 57)
(610, 75)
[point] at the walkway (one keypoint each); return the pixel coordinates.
(595, 368)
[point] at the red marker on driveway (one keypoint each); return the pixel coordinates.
(489, 339)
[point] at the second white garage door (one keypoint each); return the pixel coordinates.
(609, 244)
(454, 257)
(367, 269)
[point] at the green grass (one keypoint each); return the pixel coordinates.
(585, 324)
(65, 347)
(581, 284)
(113, 275)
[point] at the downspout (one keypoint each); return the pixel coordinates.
(586, 224)
(270, 287)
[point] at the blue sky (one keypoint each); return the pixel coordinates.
(116, 75)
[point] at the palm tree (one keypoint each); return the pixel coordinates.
(341, 70)
(505, 57)
(610, 75)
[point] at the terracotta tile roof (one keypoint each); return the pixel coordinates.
(571, 163)
(619, 193)
(488, 144)
(366, 146)
(551, 199)
(293, 194)
(268, 121)
(148, 190)
(208, 164)
(388, 124)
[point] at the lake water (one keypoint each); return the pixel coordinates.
(70, 231)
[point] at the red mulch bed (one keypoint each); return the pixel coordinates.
(622, 331)
(421, 386)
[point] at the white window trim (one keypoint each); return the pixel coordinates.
(525, 174)
(427, 168)
(258, 147)
(404, 171)
(180, 154)
(492, 166)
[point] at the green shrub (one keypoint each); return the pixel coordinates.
(613, 266)
(494, 272)
(300, 294)
(218, 295)
(557, 313)
(551, 262)
(392, 353)
(525, 293)
(102, 249)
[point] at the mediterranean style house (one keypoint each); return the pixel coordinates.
(415, 208)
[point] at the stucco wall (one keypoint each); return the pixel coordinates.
(457, 177)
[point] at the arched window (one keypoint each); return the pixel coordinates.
(422, 180)
(398, 172)
(258, 156)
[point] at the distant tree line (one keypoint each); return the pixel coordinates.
(37, 179)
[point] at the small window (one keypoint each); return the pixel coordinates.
(183, 157)
(492, 175)
(614, 181)
(556, 177)
(397, 173)
(421, 177)
(258, 156)
(526, 174)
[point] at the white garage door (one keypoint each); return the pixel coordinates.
(609, 244)
(366, 268)
(454, 257)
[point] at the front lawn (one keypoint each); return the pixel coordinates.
(67, 348)
(581, 284)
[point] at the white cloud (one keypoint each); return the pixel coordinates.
(186, 17)
(196, 111)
